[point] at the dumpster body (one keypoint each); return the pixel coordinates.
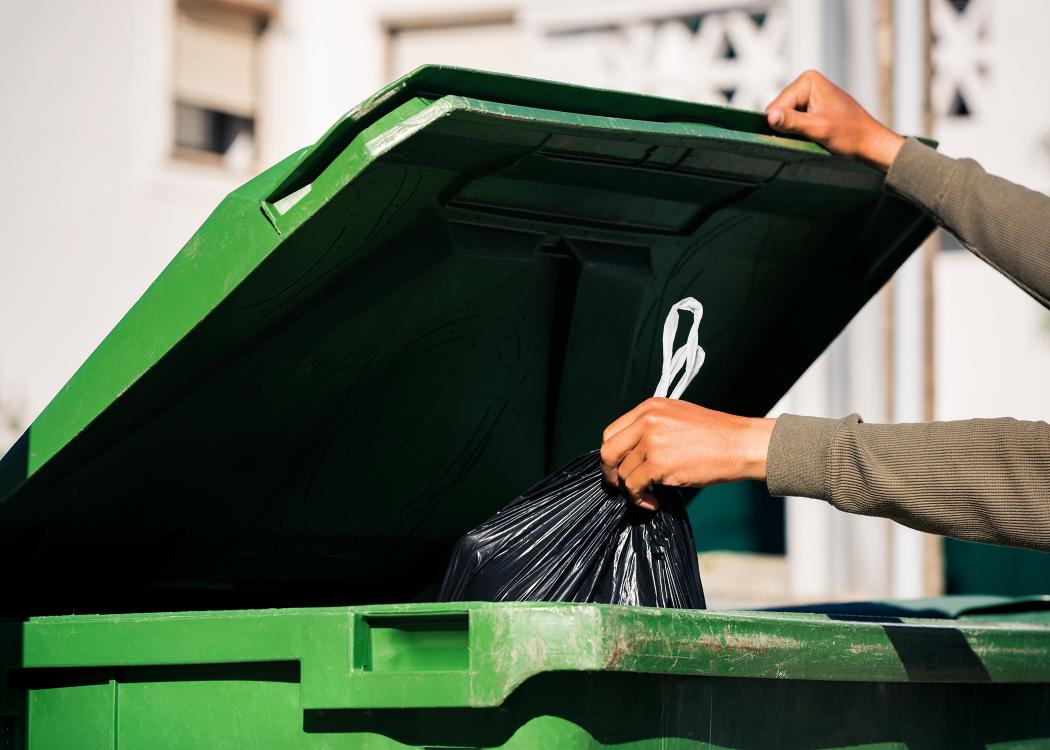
(372, 346)
(535, 676)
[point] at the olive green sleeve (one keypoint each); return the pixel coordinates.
(984, 480)
(1003, 223)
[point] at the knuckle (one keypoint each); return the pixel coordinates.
(660, 416)
(650, 419)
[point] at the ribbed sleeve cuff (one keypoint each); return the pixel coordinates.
(798, 456)
(920, 174)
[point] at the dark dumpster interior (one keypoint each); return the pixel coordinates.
(480, 296)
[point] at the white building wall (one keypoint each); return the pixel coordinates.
(94, 205)
(993, 340)
(93, 208)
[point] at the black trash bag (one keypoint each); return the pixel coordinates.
(570, 538)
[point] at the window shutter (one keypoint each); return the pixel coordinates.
(215, 53)
(498, 46)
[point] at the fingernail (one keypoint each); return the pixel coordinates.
(776, 118)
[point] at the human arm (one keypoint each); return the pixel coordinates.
(984, 480)
(1005, 224)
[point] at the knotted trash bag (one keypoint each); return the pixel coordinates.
(571, 538)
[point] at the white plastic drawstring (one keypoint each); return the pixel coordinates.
(686, 362)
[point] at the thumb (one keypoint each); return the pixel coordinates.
(793, 121)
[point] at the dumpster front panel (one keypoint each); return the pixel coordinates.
(526, 676)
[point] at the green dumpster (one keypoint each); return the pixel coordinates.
(533, 676)
(371, 347)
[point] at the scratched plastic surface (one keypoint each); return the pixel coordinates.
(569, 539)
(528, 676)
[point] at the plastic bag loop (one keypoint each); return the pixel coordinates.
(686, 362)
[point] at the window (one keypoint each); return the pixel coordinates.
(216, 80)
(491, 43)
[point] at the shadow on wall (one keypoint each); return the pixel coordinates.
(14, 464)
(12, 422)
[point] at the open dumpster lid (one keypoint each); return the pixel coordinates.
(376, 343)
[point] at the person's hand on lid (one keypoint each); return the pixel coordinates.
(678, 444)
(814, 107)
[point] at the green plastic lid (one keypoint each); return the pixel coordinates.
(375, 344)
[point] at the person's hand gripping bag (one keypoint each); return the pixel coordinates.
(571, 538)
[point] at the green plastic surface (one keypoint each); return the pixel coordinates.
(376, 343)
(527, 676)
(976, 568)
